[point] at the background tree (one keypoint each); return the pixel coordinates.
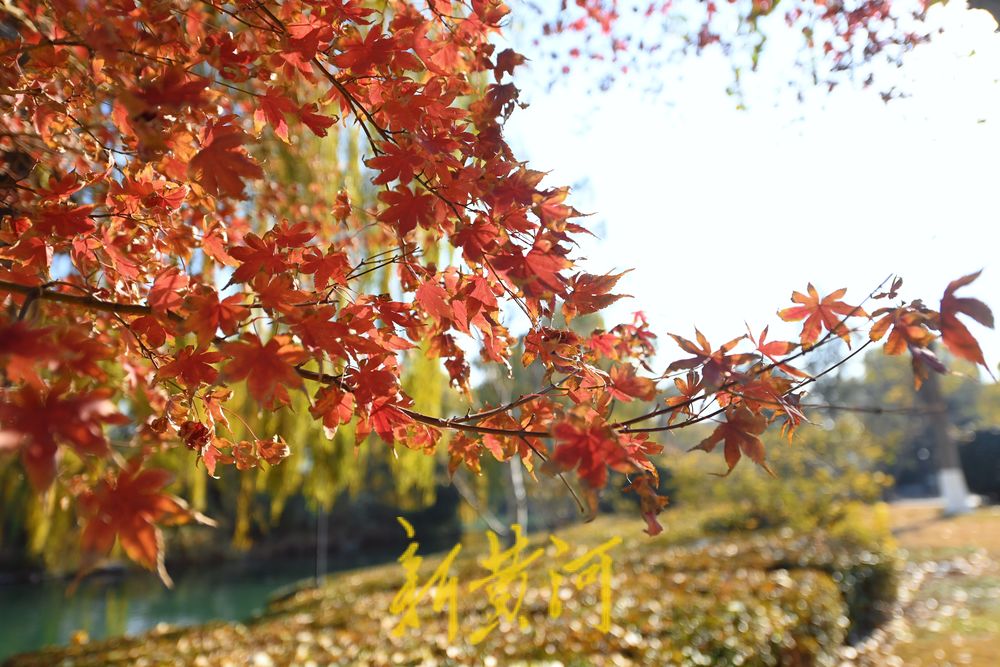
(838, 41)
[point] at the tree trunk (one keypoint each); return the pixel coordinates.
(322, 541)
(951, 479)
(520, 494)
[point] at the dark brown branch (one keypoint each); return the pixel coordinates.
(526, 398)
(42, 293)
(458, 426)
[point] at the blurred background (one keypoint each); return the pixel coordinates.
(769, 174)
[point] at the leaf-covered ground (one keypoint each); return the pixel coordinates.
(679, 599)
(953, 615)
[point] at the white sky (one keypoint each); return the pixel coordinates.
(722, 213)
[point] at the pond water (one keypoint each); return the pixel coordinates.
(35, 615)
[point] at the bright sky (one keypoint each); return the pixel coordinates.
(722, 213)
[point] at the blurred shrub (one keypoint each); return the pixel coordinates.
(981, 462)
(752, 617)
(820, 477)
(864, 569)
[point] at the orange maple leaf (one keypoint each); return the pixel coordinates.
(717, 367)
(740, 433)
(626, 385)
(827, 313)
(908, 328)
(590, 293)
(772, 349)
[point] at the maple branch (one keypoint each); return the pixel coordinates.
(42, 293)
(719, 411)
(239, 18)
(831, 368)
(356, 106)
(509, 291)
(525, 398)
(700, 397)
(670, 427)
(41, 45)
(278, 26)
(451, 424)
(454, 424)
(801, 353)
(866, 409)
(459, 426)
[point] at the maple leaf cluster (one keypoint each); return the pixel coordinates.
(151, 258)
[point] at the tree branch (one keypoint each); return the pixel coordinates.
(43, 293)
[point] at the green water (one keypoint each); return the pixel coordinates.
(33, 616)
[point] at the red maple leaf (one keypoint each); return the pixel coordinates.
(129, 506)
(589, 293)
(257, 255)
(590, 447)
(397, 161)
(64, 220)
(193, 367)
(626, 385)
(222, 164)
(268, 369)
(273, 105)
(957, 337)
(326, 268)
(740, 433)
(384, 418)
(335, 406)
(316, 122)
(37, 422)
(21, 347)
(165, 294)
(434, 300)
(209, 315)
(406, 209)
